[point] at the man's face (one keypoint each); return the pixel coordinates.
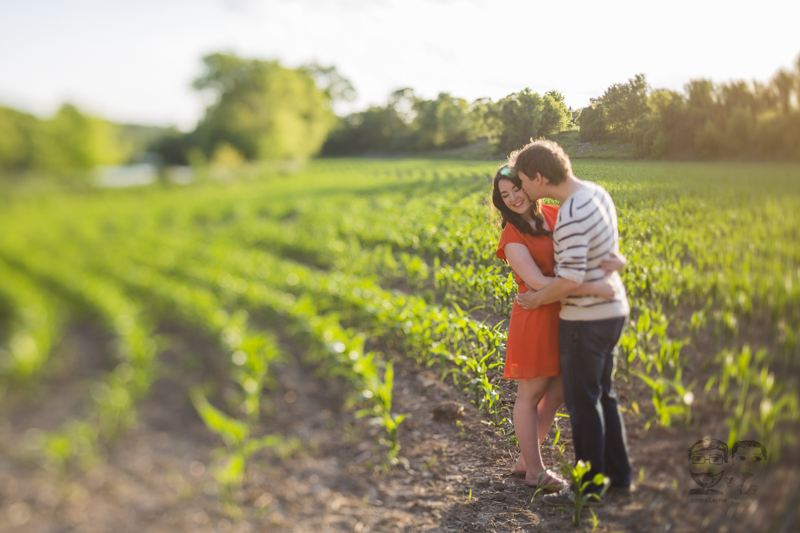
(534, 187)
(707, 467)
(749, 461)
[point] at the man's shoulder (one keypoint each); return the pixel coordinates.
(598, 189)
(591, 189)
(577, 202)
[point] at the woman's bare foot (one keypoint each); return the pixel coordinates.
(520, 469)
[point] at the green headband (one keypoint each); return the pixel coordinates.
(508, 172)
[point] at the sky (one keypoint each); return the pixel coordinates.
(134, 61)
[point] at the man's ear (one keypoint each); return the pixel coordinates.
(544, 181)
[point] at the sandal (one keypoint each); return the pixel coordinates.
(550, 482)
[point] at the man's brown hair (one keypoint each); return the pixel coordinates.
(544, 157)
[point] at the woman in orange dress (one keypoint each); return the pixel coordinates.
(532, 348)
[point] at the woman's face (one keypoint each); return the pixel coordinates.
(514, 197)
(749, 461)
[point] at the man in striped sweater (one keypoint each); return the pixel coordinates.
(586, 232)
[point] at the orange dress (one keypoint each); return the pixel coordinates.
(532, 349)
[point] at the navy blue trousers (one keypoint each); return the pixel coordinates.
(598, 432)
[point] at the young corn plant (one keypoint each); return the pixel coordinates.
(578, 487)
(32, 330)
(559, 448)
(230, 462)
(381, 411)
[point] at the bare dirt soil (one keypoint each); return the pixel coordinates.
(454, 474)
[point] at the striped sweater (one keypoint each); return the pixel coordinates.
(586, 231)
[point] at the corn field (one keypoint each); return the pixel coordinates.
(357, 262)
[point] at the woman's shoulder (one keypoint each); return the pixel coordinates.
(510, 234)
(509, 228)
(510, 231)
(550, 207)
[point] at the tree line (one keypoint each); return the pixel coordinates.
(408, 123)
(706, 120)
(69, 141)
(261, 109)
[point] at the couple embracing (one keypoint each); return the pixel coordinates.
(568, 316)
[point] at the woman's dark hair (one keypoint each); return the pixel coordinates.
(507, 215)
(749, 444)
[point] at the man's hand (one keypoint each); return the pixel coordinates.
(528, 300)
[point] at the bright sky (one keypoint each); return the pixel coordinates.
(133, 61)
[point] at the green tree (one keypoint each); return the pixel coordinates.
(335, 86)
(643, 134)
(556, 115)
(402, 103)
(736, 119)
(72, 140)
(700, 94)
(16, 130)
(521, 116)
(445, 122)
(765, 98)
(737, 95)
(703, 116)
(779, 136)
(784, 83)
(593, 123)
(174, 147)
(486, 119)
(739, 132)
(623, 103)
(708, 141)
(526, 115)
(408, 123)
(663, 130)
(261, 109)
(378, 130)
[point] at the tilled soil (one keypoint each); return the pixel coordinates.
(454, 474)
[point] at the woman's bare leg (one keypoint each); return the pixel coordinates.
(548, 407)
(530, 393)
(546, 412)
